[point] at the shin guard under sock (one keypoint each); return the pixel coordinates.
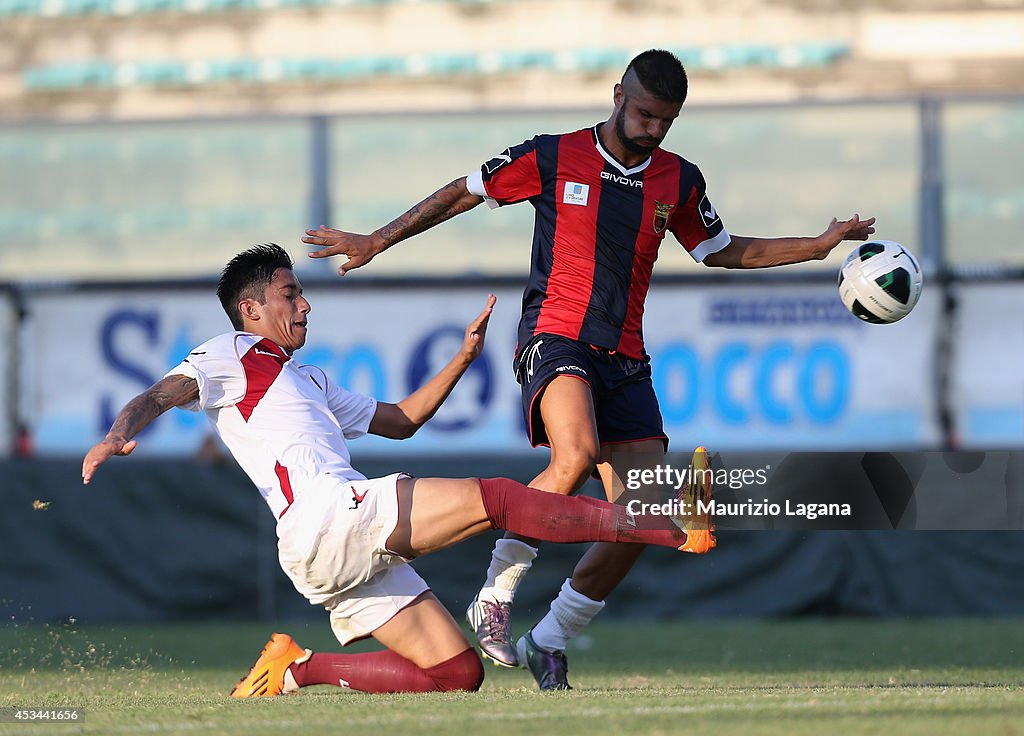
(387, 672)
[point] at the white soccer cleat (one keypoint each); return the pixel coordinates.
(492, 626)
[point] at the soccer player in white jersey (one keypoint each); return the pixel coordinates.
(344, 541)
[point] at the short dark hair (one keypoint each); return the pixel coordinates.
(248, 275)
(661, 74)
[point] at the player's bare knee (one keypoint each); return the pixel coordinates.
(569, 478)
(572, 466)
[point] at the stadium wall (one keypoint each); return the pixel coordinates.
(8, 368)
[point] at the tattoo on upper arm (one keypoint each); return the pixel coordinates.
(165, 394)
(174, 391)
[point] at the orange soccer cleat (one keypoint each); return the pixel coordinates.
(269, 676)
(695, 518)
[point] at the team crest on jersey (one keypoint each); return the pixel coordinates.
(662, 212)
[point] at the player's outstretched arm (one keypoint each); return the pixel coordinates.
(136, 416)
(444, 204)
(748, 252)
(401, 420)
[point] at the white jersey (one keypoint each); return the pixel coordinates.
(284, 422)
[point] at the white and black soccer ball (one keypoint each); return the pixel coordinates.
(880, 282)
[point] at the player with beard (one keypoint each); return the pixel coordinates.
(605, 197)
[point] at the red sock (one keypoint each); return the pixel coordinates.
(387, 672)
(552, 517)
(462, 672)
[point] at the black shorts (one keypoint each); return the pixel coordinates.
(625, 404)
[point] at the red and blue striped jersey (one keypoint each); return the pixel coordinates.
(597, 230)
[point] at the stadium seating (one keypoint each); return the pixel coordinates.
(101, 73)
(70, 76)
(73, 8)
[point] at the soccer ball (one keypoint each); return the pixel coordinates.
(880, 282)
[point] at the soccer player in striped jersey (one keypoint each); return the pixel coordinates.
(345, 540)
(605, 197)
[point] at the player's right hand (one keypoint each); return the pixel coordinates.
(473, 344)
(102, 452)
(360, 249)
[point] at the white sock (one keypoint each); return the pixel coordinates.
(569, 613)
(510, 562)
(290, 685)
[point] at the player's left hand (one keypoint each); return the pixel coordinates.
(473, 345)
(360, 249)
(852, 229)
(103, 451)
(840, 230)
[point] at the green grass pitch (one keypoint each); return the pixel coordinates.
(790, 677)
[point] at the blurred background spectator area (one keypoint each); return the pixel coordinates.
(260, 117)
(144, 142)
(176, 121)
(172, 58)
(165, 199)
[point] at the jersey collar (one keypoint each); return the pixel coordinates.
(613, 161)
(265, 343)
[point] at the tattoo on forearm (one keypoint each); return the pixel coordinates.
(442, 205)
(147, 406)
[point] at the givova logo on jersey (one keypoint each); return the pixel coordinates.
(623, 180)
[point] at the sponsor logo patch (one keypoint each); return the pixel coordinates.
(576, 193)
